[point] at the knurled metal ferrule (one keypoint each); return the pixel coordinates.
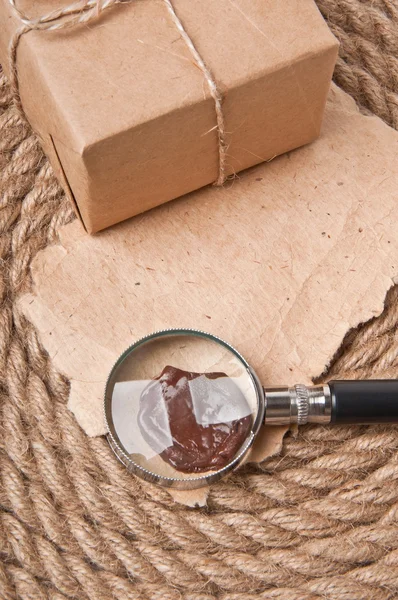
(299, 404)
(302, 401)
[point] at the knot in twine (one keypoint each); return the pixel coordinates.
(84, 11)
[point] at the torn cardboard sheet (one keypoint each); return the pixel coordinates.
(281, 263)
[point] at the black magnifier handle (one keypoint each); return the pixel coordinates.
(371, 401)
(351, 401)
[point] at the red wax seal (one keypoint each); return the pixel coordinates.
(195, 421)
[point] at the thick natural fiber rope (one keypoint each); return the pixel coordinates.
(318, 522)
(367, 67)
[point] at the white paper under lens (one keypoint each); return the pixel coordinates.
(125, 406)
(214, 401)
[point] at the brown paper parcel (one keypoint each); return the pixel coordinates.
(281, 263)
(125, 115)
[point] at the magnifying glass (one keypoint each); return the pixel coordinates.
(183, 407)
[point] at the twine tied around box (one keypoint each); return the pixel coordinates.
(84, 11)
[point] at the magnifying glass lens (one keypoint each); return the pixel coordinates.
(181, 405)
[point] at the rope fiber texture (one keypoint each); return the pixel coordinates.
(318, 522)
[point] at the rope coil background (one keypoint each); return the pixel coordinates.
(318, 522)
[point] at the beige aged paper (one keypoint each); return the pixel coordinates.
(280, 263)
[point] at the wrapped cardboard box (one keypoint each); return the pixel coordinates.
(127, 116)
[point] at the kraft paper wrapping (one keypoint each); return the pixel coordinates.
(98, 94)
(281, 263)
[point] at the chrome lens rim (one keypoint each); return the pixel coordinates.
(198, 481)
